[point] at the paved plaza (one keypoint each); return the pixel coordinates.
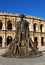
(23, 61)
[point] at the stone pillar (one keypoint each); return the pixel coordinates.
(3, 41)
(3, 26)
(38, 27)
(4, 20)
(30, 24)
(43, 28)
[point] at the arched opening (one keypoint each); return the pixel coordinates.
(36, 41)
(9, 25)
(41, 27)
(34, 26)
(0, 25)
(0, 41)
(9, 40)
(42, 42)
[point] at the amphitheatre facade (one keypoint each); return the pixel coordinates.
(8, 23)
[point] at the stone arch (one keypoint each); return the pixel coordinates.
(41, 27)
(36, 41)
(0, 41)
(34, 26)
(9, 25)
(9, 40)
(0, 24)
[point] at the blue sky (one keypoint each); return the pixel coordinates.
(29, 7)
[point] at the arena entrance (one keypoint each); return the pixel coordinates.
(9, 25)
(42, 43)
(0, 41)
(9, 40)
(36, 41)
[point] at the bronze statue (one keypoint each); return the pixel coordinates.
(22, 41)
(22, 28)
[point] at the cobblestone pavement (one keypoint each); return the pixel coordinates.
(23, 61)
